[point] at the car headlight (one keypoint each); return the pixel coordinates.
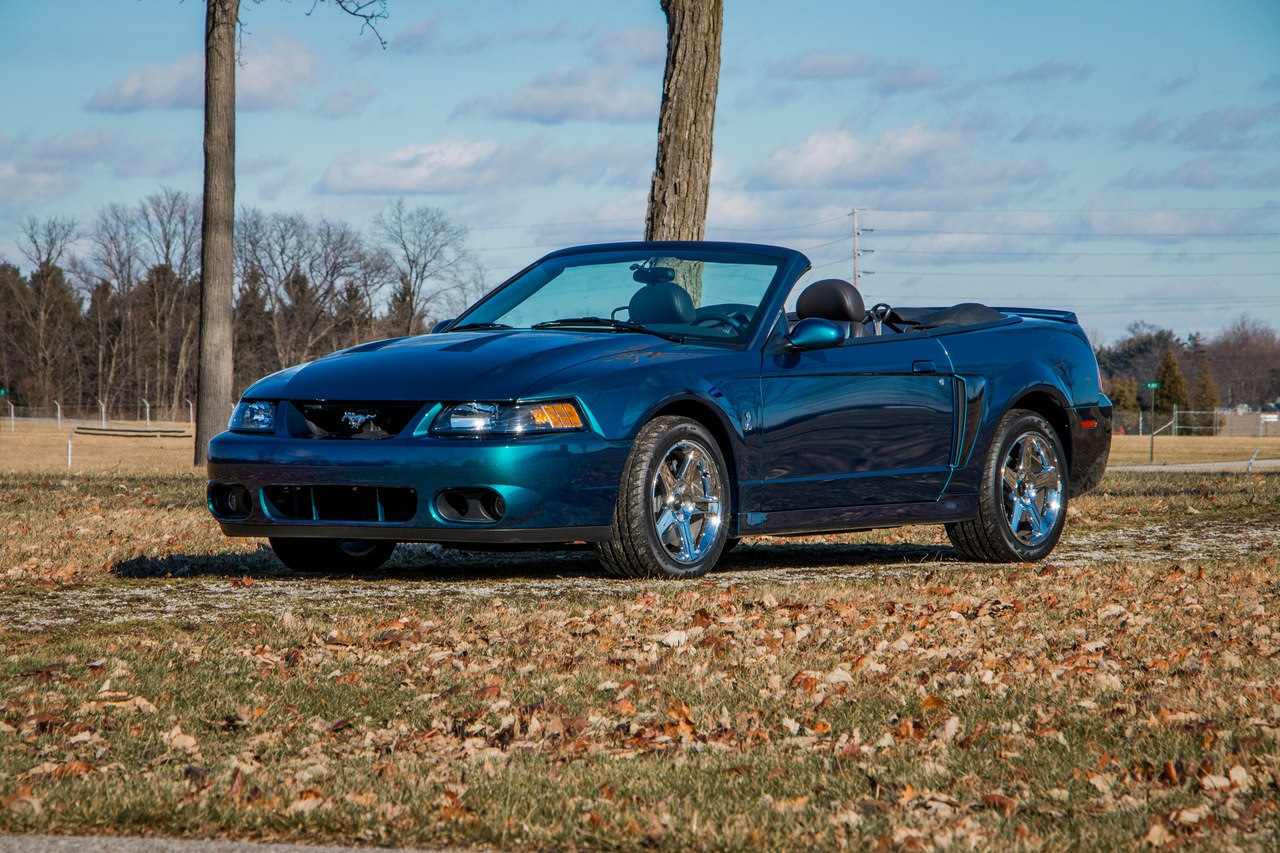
(507, 418)
(253, 416)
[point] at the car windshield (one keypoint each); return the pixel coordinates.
(684, 294)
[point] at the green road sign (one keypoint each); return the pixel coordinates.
(1153, 384)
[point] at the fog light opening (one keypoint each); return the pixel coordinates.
(471, 506)
(230, 500)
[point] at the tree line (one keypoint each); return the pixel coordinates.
(1238, 366)
(110, 311)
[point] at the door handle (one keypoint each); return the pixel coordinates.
(923, 367)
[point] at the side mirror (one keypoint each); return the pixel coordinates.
(816, 333)
(442, 325)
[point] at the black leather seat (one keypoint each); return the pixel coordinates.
(837, 300)
(663, 302)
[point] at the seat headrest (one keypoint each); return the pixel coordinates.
(832, 299)
(662, 302)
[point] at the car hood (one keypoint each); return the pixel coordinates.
(489, 365)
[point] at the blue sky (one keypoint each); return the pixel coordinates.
(1121, 160)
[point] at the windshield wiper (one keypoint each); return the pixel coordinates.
(605, 322)
(476, 327)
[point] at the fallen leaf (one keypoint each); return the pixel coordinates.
(1158, 836)
(307, 803)
(179, 742)
(675, 639)
(1215, 783)
(25, 807)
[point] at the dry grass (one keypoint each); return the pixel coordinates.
(1169, 450)
(34, 446)
(827, 692)
(37, 446)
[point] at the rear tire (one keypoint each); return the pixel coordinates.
(338, 556)
(671, 519)
(1022, 505)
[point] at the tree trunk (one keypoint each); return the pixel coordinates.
(682, 174)
(215, 395)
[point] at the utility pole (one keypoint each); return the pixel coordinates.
(857, 272)
(855, 247)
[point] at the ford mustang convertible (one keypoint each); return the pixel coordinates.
(660, 401)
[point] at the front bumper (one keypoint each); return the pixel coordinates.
(554, 488)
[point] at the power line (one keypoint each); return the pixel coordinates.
(779, 228)
(1081, 234)
(1070, 254)
(928, 273)
(991, 210)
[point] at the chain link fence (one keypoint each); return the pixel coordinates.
(1233, 424)
(88, 440)
(91, 439)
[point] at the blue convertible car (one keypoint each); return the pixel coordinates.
(661, 400)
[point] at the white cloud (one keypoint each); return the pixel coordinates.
(418, 36)
(835, 158)
(572, 94)
(1050, 70)
(1044, 127)
(638, 47)
(908, 77)
(460, 165)
(886, 78)
(829, 65)
(1199, 173)
(273, 69)
(1227, 129)
(21, 185)
(176, 86)
(346, 102)
(443, 167)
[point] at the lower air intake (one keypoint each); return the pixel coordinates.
(342, 503)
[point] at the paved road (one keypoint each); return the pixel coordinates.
(101, 844)
(1242, 465)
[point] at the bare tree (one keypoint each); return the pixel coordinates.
(45, 242)
(431, 261)
(303, 273)
(47, 308)
(1246, 362)
(686, 122)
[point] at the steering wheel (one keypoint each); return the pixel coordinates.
(735, 323)
(879, 314)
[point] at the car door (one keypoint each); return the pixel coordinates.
(868, 422)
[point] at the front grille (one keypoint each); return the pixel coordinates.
(342, 503)
(366, 420)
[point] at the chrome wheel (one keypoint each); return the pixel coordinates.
(675, 504)
(686, 503)
(1032, 489)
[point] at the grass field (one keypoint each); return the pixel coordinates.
(38, 446)
(825, 692)
(1169, 450)
(27, 445)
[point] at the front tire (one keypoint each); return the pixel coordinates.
(1022, 505)
(672, 515)
(338, 556)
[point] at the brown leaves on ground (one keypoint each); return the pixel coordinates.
(1115, 704)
